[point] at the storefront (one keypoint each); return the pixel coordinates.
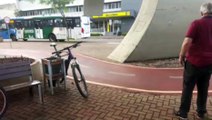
(112, 23)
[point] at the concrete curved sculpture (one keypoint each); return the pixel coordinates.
(158, 30)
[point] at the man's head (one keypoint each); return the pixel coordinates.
(206, 9)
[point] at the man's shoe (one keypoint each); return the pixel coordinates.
(180, 115)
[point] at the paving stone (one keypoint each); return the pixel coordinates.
(104, 103)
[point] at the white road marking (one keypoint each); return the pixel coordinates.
(122, 74)
(176, 77)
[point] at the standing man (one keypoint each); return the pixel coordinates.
(196, 56)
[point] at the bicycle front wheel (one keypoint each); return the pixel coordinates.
(79, 80)
(3, 102)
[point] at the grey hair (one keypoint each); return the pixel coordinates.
(206, 8)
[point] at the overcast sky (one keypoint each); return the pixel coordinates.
(6, 1)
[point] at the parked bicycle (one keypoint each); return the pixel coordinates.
(3, 102)
(78, 76)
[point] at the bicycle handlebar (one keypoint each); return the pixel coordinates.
(67, 48)
(72, 46)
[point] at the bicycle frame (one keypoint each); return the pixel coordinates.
(70, 55)
(76, 71)
(68, 60)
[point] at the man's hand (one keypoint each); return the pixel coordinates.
(181, 60)
(184, 49)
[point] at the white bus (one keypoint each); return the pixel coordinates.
(52, 28)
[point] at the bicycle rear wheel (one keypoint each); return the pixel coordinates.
(3, 102)
(79, 80)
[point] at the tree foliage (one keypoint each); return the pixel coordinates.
(55, 4)
(58, 4)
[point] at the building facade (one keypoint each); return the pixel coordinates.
(117, 17)
(7, 10)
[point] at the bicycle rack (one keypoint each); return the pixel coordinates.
(53, 71)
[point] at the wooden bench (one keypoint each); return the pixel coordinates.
(16, 70)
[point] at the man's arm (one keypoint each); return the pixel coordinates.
(184, 49)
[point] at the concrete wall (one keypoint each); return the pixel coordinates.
(129, 5)
(93, 7)
(125, 6)
(158, 31)
(126, 24)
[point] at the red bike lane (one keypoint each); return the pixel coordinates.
(153, 80)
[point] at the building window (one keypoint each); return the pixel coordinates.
(112, 5)
(80, 8)
(72, 9)
(76, 9)
(40, 12)
(50, 11)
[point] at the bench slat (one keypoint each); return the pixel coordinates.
(15, 75)
(14, 64)
(14, 70)
(22, 85)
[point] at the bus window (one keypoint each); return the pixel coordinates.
(70, 23)
(43, 23)
(31, 24)
(3, 26)
(18, 25)
(28, 24)
(50, 23)
(58, 23)
(37, 24)
(77, 22)
(25, 24)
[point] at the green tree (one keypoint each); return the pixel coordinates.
(60, 5)
(17, 13)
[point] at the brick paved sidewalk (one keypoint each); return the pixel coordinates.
(103, 104)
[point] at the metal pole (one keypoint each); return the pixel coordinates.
(8, 30)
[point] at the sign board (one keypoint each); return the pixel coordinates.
(7, 20)
(114, 14)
